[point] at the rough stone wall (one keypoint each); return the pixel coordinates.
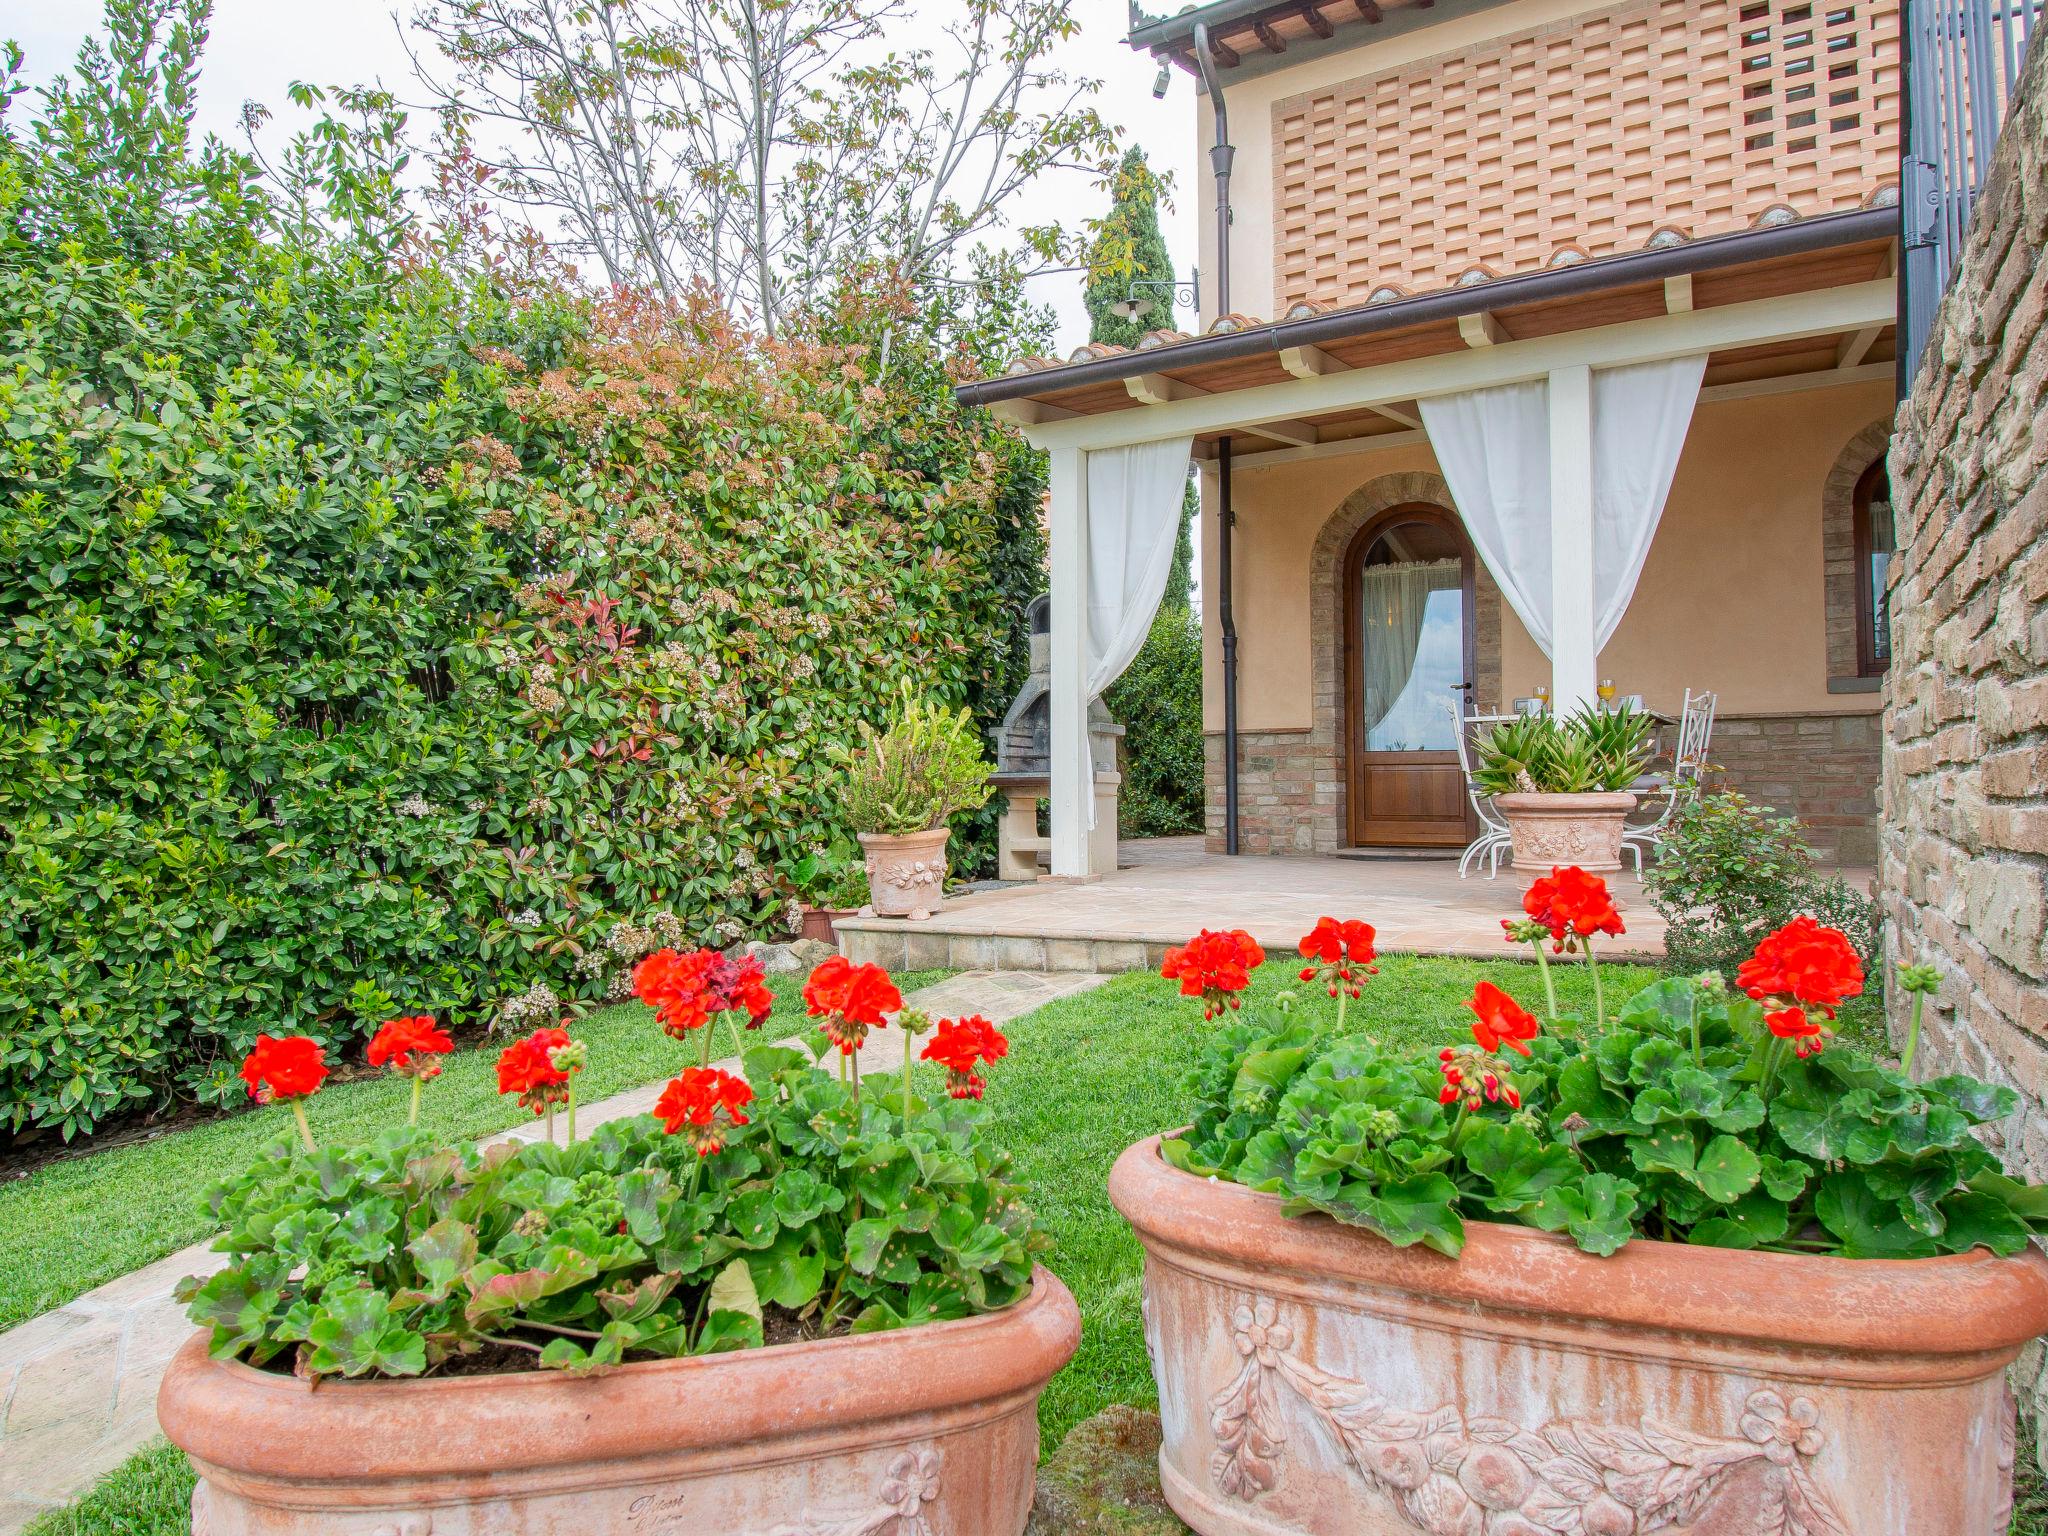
(1965, 848)
(1821, 768)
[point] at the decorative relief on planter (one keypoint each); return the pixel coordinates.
(1454, 1476)
(911, 1482)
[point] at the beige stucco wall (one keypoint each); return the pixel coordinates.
(1731, 598)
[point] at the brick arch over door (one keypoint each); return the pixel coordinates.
(1838, 553)
(1326, 634)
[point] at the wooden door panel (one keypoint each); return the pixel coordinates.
(1411, 798)
(1402, 791)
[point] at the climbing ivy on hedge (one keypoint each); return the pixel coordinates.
(376, 630)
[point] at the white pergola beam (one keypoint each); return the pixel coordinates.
(1072, 779)
(1481, 330)
(1574, 659)
(1786, 318)
(1745, 389)
(1678, 294)
(1299, 433)
(1400, 417)
(1856, 346)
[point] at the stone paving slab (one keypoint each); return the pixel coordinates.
(78, 1384)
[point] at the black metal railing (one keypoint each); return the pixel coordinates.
(1963, 60)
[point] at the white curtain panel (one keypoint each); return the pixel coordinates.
(1494, 447)
(1135, 496)
(1640, 416)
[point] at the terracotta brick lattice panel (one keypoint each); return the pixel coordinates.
(1583, 138)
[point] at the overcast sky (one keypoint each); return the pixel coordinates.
(259, 47)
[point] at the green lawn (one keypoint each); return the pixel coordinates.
(78, 1223)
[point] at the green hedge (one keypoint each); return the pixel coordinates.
(374, 633)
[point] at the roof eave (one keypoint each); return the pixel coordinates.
(1707, 254)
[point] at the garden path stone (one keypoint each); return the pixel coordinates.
(78, 1384)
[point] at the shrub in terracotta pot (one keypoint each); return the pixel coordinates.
(791, 1300)
(829, 887)
(1563, 785)
(1694, 1266)
(901, 786)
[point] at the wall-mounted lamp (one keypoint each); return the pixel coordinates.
(1161, 81)
(1135, 305)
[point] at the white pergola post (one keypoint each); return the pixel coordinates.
(1574, 661)
(1073, 779)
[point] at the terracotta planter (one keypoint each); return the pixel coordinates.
(931, 1429)
(906, 875)
(817, 924)
(1314, 1379)
(1566, 829)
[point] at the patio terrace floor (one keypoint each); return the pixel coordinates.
(1167, 889)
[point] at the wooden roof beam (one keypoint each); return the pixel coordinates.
(1481, 329)
(1310, 362)
(1263, 29)
(1678, 294)
(1223, 53)
(1030, 413)
(1158, 389)
(1316, 21)
(1369, 11)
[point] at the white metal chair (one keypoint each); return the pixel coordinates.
(1688, 766)
(1493, 840)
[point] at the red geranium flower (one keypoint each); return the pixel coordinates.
(850, 999)
(405, 1044)
(1803, 963)
(686, 990)
(526, 1068)
(1214, 967)
(1572, 905)
(1343, 951)
(1809, 1035)
(1502, 1022)
(707, 1100)
(961, 1046)
(289, 1068)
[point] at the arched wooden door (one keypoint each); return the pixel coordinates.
(1408, 654)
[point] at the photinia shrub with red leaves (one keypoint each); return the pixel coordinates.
(1697, 1112)
(775, 1198)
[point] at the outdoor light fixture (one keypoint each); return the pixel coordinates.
(1161, 81)
(1134, 305)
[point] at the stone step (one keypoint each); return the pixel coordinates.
(899, 944)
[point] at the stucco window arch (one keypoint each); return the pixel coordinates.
(1843, 561)
(1326, 631)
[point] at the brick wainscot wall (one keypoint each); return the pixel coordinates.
(1821, 768)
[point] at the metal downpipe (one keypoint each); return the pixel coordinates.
(1221, 155)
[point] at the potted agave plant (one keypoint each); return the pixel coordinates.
(786, 1301)
(1562, 786)
(1696, 1266)
(900, 787)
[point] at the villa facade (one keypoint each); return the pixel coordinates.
(1466, 239)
